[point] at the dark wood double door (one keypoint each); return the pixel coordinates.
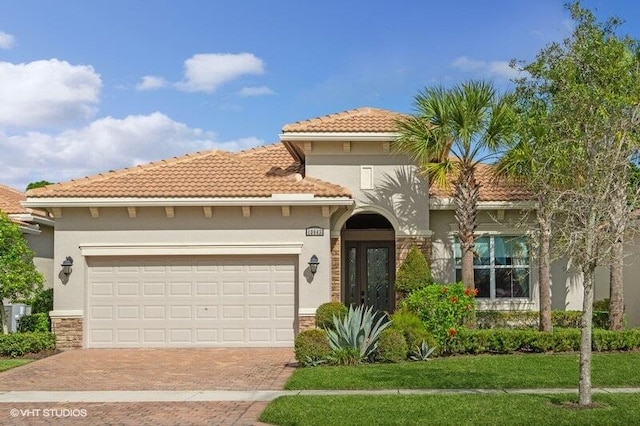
(369, 274)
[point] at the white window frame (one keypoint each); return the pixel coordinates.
(492, 266)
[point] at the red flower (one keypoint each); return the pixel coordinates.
(475, 291)
(444, 290)
(454, 299)
(467, 292)
(452, 332)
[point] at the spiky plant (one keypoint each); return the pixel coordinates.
(358, 330)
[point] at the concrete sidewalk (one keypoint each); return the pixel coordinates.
(253, 396)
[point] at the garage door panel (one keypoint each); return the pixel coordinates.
(198, 301)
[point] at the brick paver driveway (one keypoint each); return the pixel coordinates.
(151, 369)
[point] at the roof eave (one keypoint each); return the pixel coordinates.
(274, 200)
(449, 204)
(338, 136)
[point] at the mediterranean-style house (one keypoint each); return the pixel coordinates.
(239, 249)
(36, 227)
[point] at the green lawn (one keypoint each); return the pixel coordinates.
(7, 364)
(495, 409)
(482, 371)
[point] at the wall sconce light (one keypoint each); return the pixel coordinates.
(66, 266)
(313, 264)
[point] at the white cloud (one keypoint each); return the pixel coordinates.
(6, 40)
(151, 82)
(105, 144)
(499, 69)
(256, 91)
(47, 93)
(207, 71)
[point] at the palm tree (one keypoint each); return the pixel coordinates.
(450, 133)
(521, 162)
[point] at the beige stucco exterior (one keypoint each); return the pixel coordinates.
(42, 244)
(227, 228)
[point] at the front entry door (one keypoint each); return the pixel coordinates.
(370, 274)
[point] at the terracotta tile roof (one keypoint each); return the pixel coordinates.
(208, 174)
(10, 202)
(370, 120)
(491, 189)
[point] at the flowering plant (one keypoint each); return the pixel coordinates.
(442, 308)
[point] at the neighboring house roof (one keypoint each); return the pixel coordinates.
(10, 200)
(367, 120)
(260, 172)
(491, 188)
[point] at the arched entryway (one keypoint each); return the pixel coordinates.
(368, 261)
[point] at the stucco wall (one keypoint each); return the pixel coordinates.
(42, 246)
(76, 227)
(566, 285)
(397, 187)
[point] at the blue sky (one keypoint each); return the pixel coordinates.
(90, 86)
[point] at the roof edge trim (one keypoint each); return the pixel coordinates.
(338, 136)
(187, 202)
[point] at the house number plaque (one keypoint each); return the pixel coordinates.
(315, 231)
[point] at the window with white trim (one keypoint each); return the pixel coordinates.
(501, 266)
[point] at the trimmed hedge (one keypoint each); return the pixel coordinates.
(42, 302)
(326, 312)
(34, 322)
(414, 273)
(312, 346)
(413, 329)
(529, 319)
(505, 341)
(392, 347)
(19, 344)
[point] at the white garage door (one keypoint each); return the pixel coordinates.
(181, 301)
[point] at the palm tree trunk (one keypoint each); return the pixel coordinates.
(616, 276)
(466, 214)
(544, 270)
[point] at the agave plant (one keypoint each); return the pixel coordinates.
(357, 330)
(422, 352)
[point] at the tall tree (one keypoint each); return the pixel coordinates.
(591, 84)
(523, 164)
(18, 276)
(450, 132)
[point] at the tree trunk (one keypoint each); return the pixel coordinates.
(466, 214)
(544, 270)
(584, 389)
(616, 287)
(4, 318)
(619, 214)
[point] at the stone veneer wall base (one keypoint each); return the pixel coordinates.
(68, 333)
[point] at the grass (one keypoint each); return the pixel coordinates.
(495, 409)
(478, 372)
(7, 364)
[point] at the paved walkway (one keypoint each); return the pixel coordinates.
(252, 396)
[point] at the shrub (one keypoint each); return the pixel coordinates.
(413, 329)
(414, 273)
(34, 322)
(530, 319)
(42, 302)
(19, 344)
(443, 309)
(561, 340)
(358, 330)
(601, 313)
(311, 346)
(326, 312)
(392, 346)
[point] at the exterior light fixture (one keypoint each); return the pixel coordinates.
(313, 264)
(66, 266)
